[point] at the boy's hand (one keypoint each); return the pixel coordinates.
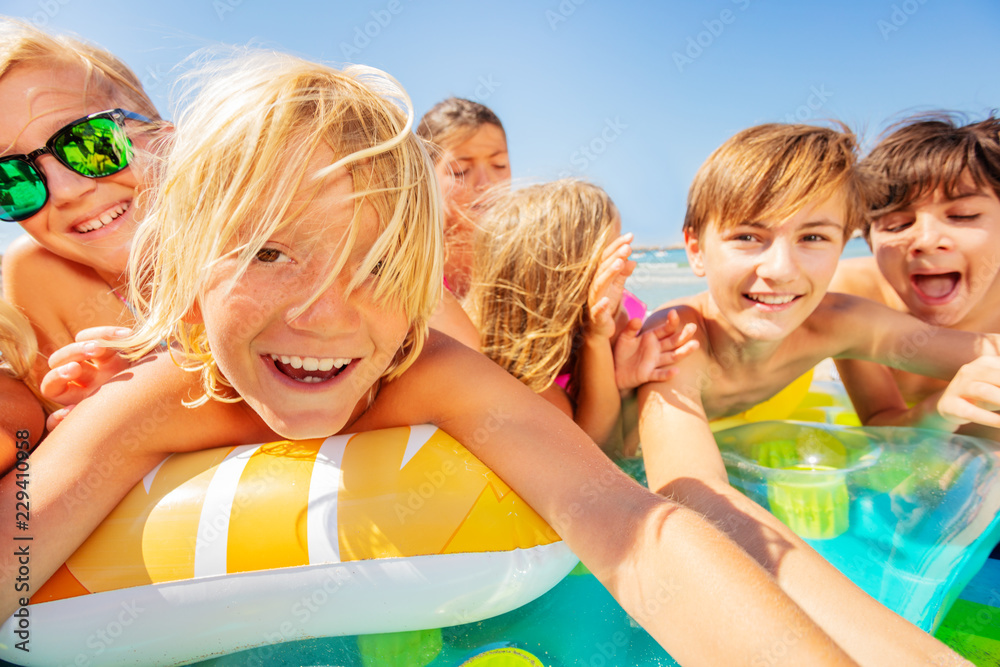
(649, 357)
(605, 294)
(80, 368)
(973, 394)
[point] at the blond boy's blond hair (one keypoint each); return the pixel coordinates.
(772, 171)
(109, 80)
(239, 159)
(537, 251)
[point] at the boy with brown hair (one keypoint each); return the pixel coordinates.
(768, 216)
(935, 239)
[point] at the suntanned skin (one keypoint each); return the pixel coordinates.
(670, 569)
(62, 276)
(626, 535)
(955, 241)
(21, 421)
(59, 297)
(766, 320)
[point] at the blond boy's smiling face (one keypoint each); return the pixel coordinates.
(766, 277)
(942, 256)
(304, 366)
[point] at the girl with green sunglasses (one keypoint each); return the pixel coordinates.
(72, 130)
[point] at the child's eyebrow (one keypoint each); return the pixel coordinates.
(460, 158)
(968, 195)
(961, 196)
(823, 223)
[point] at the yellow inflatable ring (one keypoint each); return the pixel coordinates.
(225, 549)
(778, 407)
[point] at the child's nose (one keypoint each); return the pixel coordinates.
(481, 177)
(331, 312)
(777, 262)
(65, 185)
(931, 234)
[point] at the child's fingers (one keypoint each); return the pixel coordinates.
(632, 328)
(620, 244)
(61, 384)
(57, 417)
(662, 374)
(629, 268)
(966, 412)
(87, 350)
(604, 279)
(669, 336)
(101, 333)
(681, 338)
(674, 354)
(601, 309)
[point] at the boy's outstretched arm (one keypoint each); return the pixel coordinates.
(83, 469)
(870, 331)
(683, 462)
(693, 589)
(972, 397)
(970, 362)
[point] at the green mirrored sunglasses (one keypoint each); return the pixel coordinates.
(92, 146)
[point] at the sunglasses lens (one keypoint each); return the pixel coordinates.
(97, 147)
(22, 192)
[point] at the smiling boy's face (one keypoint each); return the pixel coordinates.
(766, 277)
(305, 371)
(942, 255)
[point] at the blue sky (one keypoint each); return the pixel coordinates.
(632, 96)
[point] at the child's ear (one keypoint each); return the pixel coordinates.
(693, 247)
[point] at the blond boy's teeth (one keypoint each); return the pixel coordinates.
(312, 363)
(103, 219)
(772, 299)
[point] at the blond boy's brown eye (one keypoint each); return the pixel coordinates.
(269, 255)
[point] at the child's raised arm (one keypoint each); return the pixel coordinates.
(616, 359)
(683, 462)
(598, 402)
(971, 397)
(84, 468)
(968, 361)
(667, 566)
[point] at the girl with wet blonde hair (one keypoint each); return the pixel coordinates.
(547, 298)
(310, 215)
